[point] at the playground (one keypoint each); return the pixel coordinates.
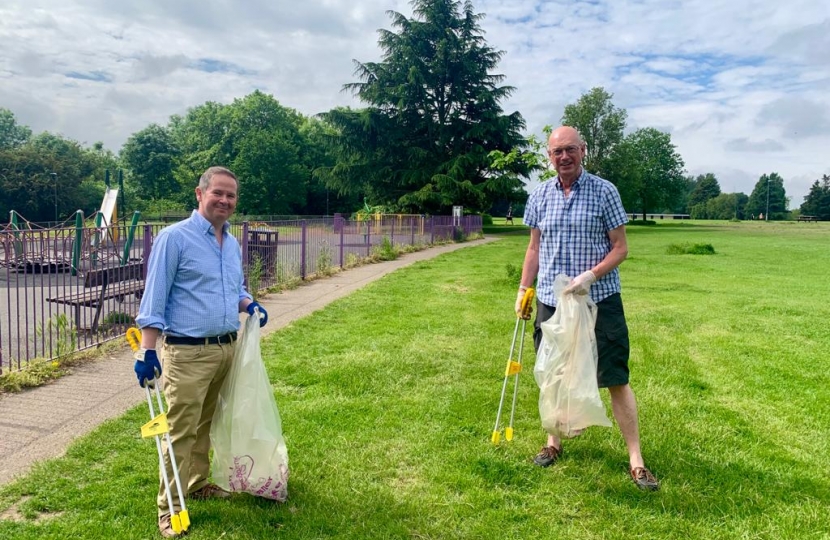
(55, 283)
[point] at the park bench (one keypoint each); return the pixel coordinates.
(101, 285)
(807, 218)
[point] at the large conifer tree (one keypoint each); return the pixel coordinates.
(422, 145)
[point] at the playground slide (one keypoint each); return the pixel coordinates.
(108, 206)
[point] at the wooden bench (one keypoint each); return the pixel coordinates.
(101, 285)
(807, 218)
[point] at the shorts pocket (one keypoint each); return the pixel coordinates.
(616, 332)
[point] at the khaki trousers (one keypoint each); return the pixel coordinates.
(192, 376)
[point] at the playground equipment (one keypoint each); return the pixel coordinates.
(30, 248)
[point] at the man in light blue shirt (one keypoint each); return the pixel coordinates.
(578, 229)
(193, 295)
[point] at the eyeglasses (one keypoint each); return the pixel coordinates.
(571, 150)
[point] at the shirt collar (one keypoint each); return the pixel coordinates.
(205, 225)
(575, 182)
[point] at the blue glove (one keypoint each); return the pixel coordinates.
(263, 315)
(147, 367)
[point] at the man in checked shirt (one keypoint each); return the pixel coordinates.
(577, 226)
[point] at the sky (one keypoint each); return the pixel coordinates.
(741, 86)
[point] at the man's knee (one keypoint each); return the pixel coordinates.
(621, 392)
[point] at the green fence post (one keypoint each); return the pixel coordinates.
(130, 235)
(18, 245)
(79, 239)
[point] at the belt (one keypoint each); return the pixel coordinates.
(212, 340)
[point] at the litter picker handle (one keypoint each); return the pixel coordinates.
(527, 303)
(155, 428)
(134, 338)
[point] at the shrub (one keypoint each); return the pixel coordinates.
(514, 273)
(288, 276)
(352, 260)
(324, 260)
(486, 219)
(117, 317)
(255, 272)
(63, 336)
(385, 251)
(38, 371)
(687, 248)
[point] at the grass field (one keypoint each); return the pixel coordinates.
(388, 399)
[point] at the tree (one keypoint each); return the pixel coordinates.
(12, 134)
(151, 156)
(682, 205)
(601, 125)
(534, 156)
(724, 206)
(817, 202)
(265, 142)
(200, 138)
(43, 176)
(768, 198)
(647, 171)
(706, 187)
(254, 136)
(434, 116)
(319, 157)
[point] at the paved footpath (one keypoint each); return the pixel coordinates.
(40, 423)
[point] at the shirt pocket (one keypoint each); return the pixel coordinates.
(588, 221)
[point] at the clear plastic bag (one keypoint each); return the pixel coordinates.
(249, 452)
(566, 366)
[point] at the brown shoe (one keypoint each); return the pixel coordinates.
(547, 456)
(166, 528)
(643, 478)
(209, 491)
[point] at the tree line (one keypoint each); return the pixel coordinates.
(432, 134)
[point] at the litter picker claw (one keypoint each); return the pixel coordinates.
(156, 427)
(514, 367)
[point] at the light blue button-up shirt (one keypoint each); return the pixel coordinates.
(574, 232)
(193, 285)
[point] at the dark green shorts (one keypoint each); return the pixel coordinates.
(612, 339)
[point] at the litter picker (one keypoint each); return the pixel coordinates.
(156, 427)
(514, 367)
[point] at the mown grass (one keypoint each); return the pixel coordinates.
(388, 399)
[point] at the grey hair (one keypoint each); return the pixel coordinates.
(207, 176)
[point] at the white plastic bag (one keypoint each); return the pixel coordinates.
(566, 366)
(249, 453)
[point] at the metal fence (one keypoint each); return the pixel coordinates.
(68, 289)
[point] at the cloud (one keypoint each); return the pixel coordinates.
(745, 145)
(796, 117)
(97, 76)
(808, 44)
(212, 65)
(152, 66)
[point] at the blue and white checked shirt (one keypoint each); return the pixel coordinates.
(575, 231)
(193, 287)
